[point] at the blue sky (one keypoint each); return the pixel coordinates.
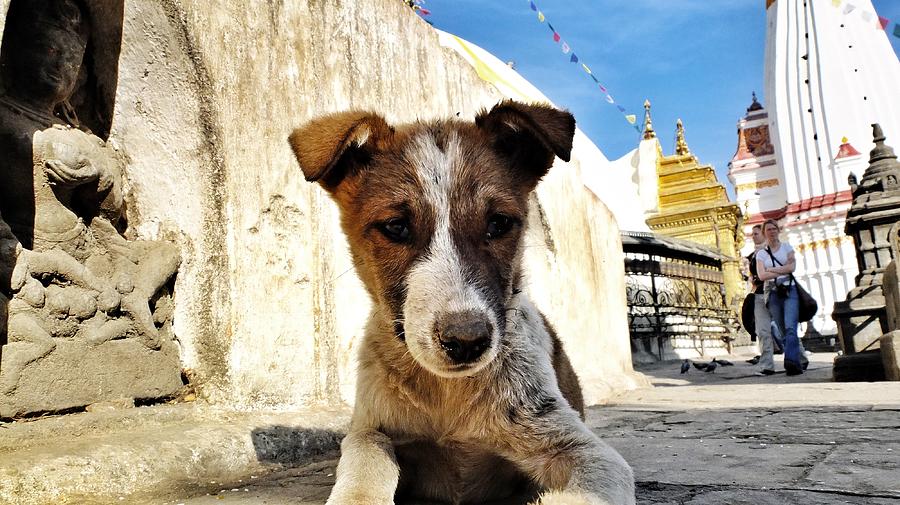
(698, 60)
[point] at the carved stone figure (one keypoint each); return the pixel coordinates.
(70, 274)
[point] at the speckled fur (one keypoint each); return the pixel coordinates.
(509, 428)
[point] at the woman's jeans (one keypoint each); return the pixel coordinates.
(785, 313)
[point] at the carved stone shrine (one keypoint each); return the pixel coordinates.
(85, 314)
(861, 318)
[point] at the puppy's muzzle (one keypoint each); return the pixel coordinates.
(464, 336)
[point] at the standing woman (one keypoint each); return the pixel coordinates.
(775, 265)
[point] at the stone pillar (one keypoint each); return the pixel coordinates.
(890, 355)
(862, 318)
(890, 342)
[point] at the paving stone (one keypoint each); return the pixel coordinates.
(835, 428)
(864, 468)
(794, 426)
(665, 494)
(716, 461)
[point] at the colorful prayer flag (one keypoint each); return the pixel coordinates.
(849, 8)
(897, 30)
(423, 11)
(834, 3)
(883, 22)
(866, 15)
(566, 49)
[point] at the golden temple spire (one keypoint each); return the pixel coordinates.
(648, 124)
(681, 147)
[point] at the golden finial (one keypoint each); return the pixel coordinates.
(681, 147)
(648, 124)
(844, 140)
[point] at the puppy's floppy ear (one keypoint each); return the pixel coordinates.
(529, 135)
(332, 147)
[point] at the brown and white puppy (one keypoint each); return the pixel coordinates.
(464, 392)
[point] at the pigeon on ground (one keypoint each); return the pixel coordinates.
(685, 366)
(700, 365)
(754, 360)
(723, 362)
(711, 367)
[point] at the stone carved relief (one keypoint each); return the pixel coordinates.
(67, 274)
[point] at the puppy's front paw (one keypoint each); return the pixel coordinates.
(575, 498)
(357, 499)
(560, 498)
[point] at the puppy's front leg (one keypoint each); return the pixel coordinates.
(367, 473)
(573, 466)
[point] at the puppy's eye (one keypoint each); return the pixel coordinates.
(499, 225)
(395, 230)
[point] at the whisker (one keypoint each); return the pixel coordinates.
(353, 264)
(342, 274)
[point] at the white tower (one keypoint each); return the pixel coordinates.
(755, 172)
(830, 72)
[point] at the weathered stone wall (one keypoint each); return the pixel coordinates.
(576, 275)
(268, 309)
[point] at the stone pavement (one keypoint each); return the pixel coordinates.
(733, 438)
(725, 437)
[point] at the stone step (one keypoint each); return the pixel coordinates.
(119, 456)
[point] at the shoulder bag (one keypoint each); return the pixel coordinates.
(808, 304)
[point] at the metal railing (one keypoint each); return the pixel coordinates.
(677, 304)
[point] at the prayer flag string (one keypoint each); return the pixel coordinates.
(416, 5)
(567, 49)
(869, 17)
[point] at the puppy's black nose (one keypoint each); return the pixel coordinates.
(464, 336)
